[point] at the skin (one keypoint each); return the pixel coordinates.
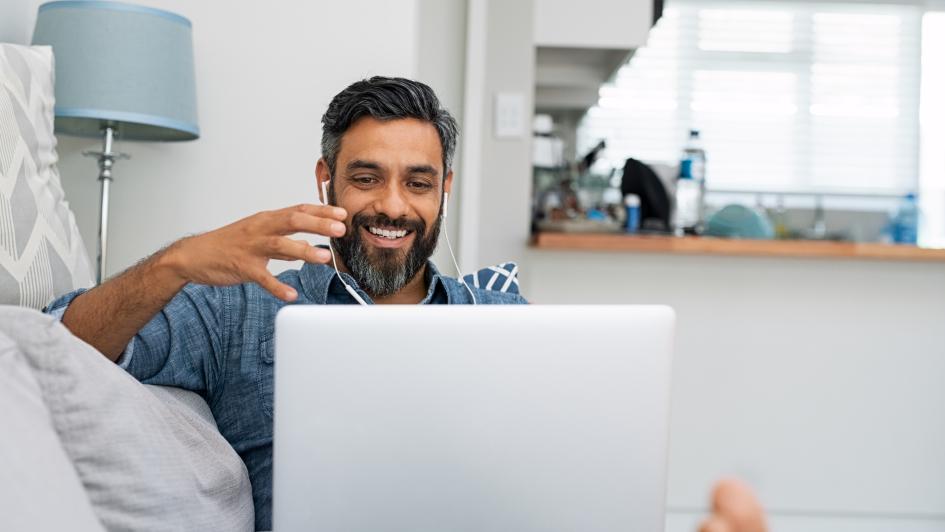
(393, 167)
(734, 509)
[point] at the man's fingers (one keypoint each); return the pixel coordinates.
(274, 287)
(283, 248)
(320, 211)
(294, 221)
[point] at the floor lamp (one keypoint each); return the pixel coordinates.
(123, 71)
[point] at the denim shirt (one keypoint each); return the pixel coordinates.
(218, 342)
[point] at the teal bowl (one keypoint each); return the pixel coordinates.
(738, 221)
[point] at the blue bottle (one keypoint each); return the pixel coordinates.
(905, 225)
(632, 204)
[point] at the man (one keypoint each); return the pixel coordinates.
(200, 313)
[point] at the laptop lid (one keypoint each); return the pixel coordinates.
(482, 418)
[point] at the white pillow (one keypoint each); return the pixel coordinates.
(147, 459)
(42, 255)
(37, 475)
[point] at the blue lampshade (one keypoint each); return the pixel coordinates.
(121, 64)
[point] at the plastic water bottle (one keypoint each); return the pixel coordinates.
(905, 225)
(692, 163)
(690, 187)
(688, 199)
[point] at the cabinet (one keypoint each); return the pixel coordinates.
(579, 46)
(613, 24)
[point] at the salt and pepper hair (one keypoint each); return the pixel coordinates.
(385, 98)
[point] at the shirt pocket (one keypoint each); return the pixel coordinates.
(264, 376)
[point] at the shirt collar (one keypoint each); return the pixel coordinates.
(321, 285)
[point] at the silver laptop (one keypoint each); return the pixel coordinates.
(460, 418)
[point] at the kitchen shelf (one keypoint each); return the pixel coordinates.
(721, 246)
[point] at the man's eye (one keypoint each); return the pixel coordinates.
(364, 180)
(419, 185)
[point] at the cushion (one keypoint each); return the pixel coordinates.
(500, 278)
(42, 255)
(148, 458)
(36, 469)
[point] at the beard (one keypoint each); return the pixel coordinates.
(382, 272)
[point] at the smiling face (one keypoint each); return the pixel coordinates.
(389, 177)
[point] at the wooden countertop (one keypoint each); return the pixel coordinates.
(722, 246)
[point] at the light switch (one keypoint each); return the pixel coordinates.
(509, 115)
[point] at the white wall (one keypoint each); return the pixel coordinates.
(265, 74)
(441, 54)
(497, 224)
(264, 77)
(14, 21)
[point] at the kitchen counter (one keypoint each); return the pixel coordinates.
(693, 245)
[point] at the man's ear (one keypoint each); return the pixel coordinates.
(448, 183)
(322, 175)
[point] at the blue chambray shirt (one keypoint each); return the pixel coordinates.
(218, 342)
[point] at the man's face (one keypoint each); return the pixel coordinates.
(388, 176)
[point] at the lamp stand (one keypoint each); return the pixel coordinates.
(106, 159)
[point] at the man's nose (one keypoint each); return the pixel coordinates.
(392, 202)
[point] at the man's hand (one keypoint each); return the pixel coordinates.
(239, 252)
(734, 509)
(109, 315)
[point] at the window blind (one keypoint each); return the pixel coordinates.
(788, 95)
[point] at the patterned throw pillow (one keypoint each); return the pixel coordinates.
(42, 255)
(500, 278)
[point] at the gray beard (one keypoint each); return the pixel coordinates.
(378, 281)
(388, 273)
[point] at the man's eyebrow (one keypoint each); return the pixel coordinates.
(360, 164)
(422, 169)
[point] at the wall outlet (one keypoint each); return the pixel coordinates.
(509, 119)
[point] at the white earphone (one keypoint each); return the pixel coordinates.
(357, 297)
(354, 293)
(459, 273)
